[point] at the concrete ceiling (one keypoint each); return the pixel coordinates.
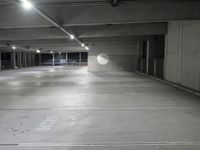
(90, 21)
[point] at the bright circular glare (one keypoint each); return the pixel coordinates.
(27, 5)
(38, 51)
(14, 47)
(103, 59)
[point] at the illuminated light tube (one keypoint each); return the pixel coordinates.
(87, 48)
(13, 47)
(83, 45)
(38, 51)
(72, 37)
(26, 4)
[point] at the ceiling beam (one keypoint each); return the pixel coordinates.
(39, 42)
(75, 15)
(84, 32)
(62, 44)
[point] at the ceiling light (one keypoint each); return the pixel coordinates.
(87, 48)
(60, 53)
(38, 51)
(13, 47)
(26, 4)
(83, 45)
(72, 37)
(51, 52)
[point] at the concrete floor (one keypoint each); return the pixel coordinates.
(70, 109)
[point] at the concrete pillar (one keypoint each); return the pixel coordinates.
(147, 59)
(66, 58)
(140, 55)
(20, 59)
(80, 59)
(13, 60)
(18, 62)
(154, 68)
(40, 63)
(30, 59)
(0, 60)
(25, 60)
(33, 59)
(53, 60)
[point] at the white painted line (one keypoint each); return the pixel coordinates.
(108, 144)
(170, 83)
(47, 124)
(100, 108)
(128, 108)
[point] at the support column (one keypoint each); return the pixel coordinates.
(25, 60)
(147, 59)
(20, 60)
(0, 60)
(66, 58)
(13, 60)
(40, 63)
(155, 69)
(140, 55)
(30, 59)
(53, 60)
(33, 59)
(79, 58)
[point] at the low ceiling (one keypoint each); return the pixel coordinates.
(90, 21)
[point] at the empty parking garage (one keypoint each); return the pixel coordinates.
(99, 75)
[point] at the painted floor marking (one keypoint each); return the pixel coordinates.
(47, 124)
(110, 144)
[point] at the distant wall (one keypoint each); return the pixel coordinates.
(122, 56)
(182, 53)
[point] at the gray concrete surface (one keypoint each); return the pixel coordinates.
(182, 63)
(62, 108)
(122, 56)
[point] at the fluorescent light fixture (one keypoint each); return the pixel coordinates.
(72, 37)
(38, 51)
(83, 45)
(87, 48)
(26, 4)
(13, 47)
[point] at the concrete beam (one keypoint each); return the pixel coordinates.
(61, 41)
(73, 15)
(84, 32)
(65, 45)
(0, 60)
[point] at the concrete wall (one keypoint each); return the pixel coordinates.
(182, 53)
(122, 56)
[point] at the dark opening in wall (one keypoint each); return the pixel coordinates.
(151, 56)
(46, 59)
(77, 58)
(6, 60)
(60, 59)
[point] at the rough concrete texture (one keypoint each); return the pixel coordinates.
(72, 109)
(122, 56)
(182, 53)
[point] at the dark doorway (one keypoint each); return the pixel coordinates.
(78, 58)
(6, 60)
